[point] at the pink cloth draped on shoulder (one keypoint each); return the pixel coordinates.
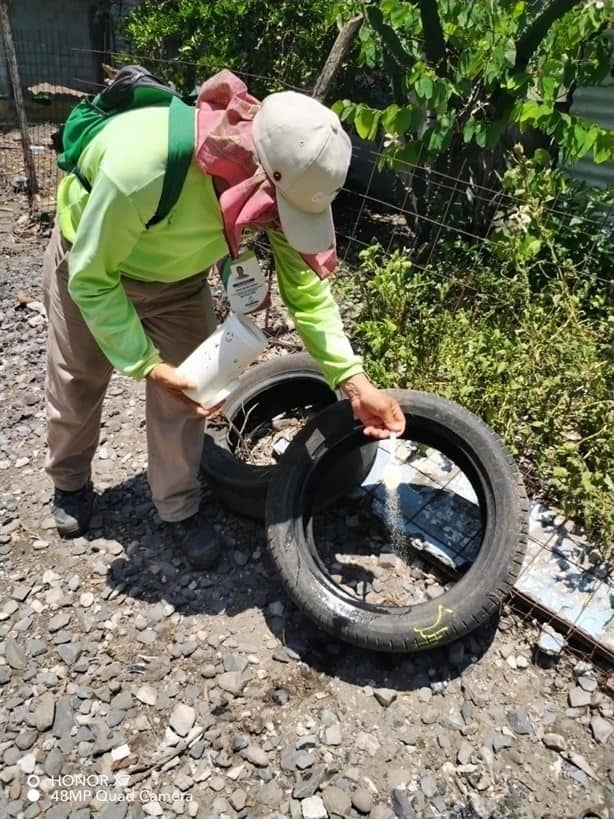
(225, 150)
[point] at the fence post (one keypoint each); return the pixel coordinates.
(9, 45)
(335, 58)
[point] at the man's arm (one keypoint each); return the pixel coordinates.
(315, 313)
(318, 322)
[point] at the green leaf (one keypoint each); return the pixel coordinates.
(424, 87)
(366, 122)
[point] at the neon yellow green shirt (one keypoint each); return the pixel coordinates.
(125, 164)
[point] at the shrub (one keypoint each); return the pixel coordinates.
(520, 330)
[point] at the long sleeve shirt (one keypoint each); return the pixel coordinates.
(125, 164)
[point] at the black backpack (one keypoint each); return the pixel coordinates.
(134, 87)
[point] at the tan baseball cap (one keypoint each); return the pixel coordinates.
(306, 154)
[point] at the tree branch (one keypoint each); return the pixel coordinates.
(529, 42)
(434, 41)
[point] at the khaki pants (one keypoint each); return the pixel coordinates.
(177, 317)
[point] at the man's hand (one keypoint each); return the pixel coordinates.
(167, 377)
(379, 413)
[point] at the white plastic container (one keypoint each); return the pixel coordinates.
(216, 364)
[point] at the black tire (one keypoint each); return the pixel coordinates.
(275, 386)
(482, 456)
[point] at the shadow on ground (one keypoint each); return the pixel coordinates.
(151, 570)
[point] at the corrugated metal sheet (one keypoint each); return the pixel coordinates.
(596, 105)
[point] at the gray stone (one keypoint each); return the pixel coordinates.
(313, 808)
(381, 811)
(428, 784)
(500, 741)
(63, 719)
(256, 756)
(182, 719)
(44, 712)
(465, 752)
(14, 655)
(235, 662)
(362, 800)
(26, 739)
(578, 697)
(304, 760)
(550, 642)
(519, 721)
(307, 787)
(336, 800)
(238, 799)
(59, 621)
(401, 805)
(54, 762)
(232, 682)
(554, 741)
(602, 729)
(147, 695)
(333, 735)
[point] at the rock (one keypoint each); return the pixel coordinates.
(519, 721)
(401, 805)
(59, 621)
(465, 752)
(601, 728)
(333, 735)
(44, 712)
(182, 719)
(63, 718)
(367, 742)
(313, 808)
(147, 695)
(86, 599)
(381, 812)
(232, 682)
(237, 799)
(54, 762)
(578, 697)
(501, 741)
(256, 756)
(307, 787)
(304, 760)
(27, 763)
(14, 655)
(362, 800)
(235, 662)
(120, 752)
(550, 642)
(554, 741)
(239, 741)
(336, 800)
(26, 739)
(428, 784)
(385, 696)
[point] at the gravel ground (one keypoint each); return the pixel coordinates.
(131, 686)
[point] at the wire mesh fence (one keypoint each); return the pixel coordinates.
(377, 206)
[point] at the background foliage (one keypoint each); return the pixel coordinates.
(275, 40)
(518, 329)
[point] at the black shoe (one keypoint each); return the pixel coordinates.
(73, 510)
(198, 540)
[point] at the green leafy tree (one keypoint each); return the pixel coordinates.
(465, 77)
(276, 41)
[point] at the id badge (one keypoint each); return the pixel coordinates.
(245, 284)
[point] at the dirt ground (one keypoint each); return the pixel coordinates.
(132, 686)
